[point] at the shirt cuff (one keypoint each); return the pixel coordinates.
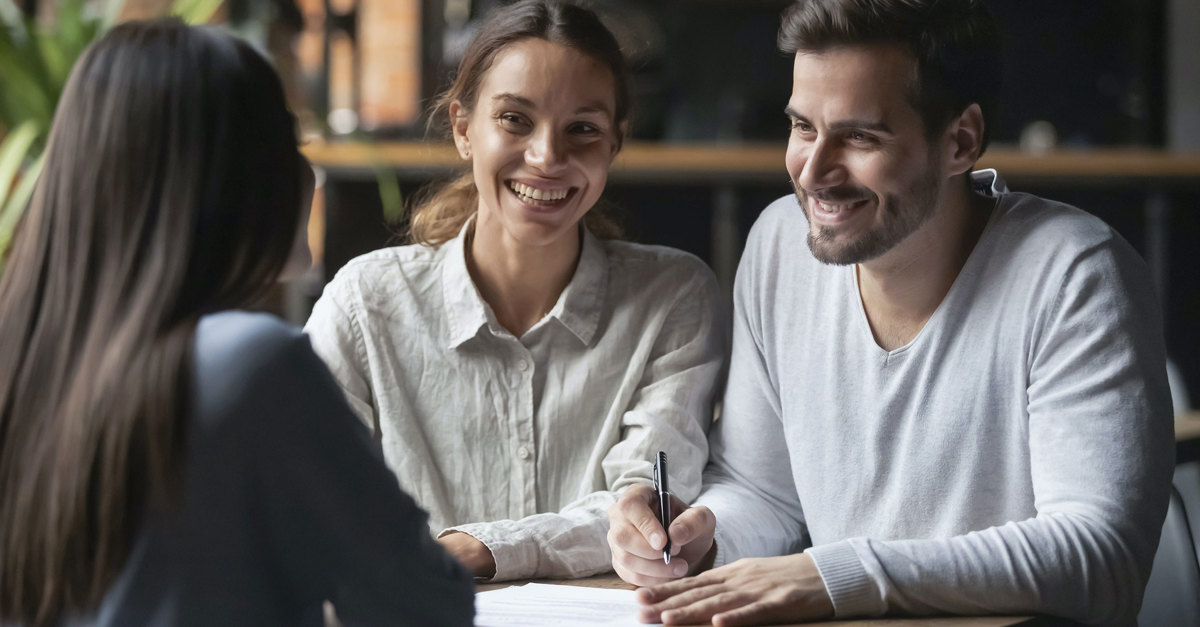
(851, 589)
(722, 556)
(514, 558)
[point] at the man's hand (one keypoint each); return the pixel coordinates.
(758, 591)
(637, 538)
(471, 552)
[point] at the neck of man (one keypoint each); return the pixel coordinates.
(902, 288)
(520, 282)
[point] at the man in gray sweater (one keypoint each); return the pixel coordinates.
(952, 400)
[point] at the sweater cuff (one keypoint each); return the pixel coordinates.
(846, 580)
(514, 559)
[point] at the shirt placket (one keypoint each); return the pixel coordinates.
(525, 461)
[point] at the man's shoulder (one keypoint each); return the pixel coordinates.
(1052, 227)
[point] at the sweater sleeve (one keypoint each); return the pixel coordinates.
(338, 522)
(670, 411)
(1101, 450)
(748, 482)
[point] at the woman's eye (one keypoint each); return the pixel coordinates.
(585, 129)
(512, 121)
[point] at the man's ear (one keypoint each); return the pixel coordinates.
(458, 127)
(964, 140)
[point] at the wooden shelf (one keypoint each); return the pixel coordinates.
(756, 163)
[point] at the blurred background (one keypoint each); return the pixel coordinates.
(1101, 109)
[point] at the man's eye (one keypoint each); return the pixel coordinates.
(800, 125)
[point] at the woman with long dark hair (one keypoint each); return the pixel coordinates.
(164, 459)
(519, 363)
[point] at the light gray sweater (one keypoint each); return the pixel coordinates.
(1014, 457)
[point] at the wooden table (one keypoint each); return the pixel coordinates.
(612, 581)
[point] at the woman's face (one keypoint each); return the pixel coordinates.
(540, 138)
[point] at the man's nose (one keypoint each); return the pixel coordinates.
(822, 167)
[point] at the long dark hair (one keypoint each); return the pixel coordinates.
(440, 215)
(171, 189)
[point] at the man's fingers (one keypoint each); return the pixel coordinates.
(634, 508)
(759, 613)
(652, 570)
(625, 538)
(703, 610)
(695, 522)
(658, 593)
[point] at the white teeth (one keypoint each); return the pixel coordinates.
(836, 209)
(533, 193)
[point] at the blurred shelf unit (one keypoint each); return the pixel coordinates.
(716, 164)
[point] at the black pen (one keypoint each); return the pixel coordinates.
(664, 500)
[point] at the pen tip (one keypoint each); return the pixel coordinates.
(666, 557)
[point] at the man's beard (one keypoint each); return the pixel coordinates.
(905, 214)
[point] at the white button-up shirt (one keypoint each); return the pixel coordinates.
(524, 442)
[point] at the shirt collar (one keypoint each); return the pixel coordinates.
(578, 308)
(582, 302)
(465, 310)
(988, 182)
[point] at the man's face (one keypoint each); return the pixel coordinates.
(863, 169)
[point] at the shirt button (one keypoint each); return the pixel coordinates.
(523, 453)
(522, 365)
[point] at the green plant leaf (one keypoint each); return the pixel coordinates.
(195, 11)
(10, 211)
(10, 15)
(15, 148)
(26, 89)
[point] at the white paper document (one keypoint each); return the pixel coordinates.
(537, 604)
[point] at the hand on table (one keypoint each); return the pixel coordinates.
(471, 552)
(746, 592)
(636, 538)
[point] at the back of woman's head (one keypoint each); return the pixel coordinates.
(171, 189)
(439, 217)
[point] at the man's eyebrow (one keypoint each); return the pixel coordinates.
(866, 125)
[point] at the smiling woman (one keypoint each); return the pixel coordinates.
(518, 363)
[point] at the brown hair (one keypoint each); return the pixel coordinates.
(955, 43)
(171, 189)
(440, 213)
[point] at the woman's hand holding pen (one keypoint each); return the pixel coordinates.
(637, 539)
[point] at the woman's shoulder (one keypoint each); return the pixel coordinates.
(241, 358)
(385, 263)
(397, 267)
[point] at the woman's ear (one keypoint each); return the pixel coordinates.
(458, 126)
(619, 140)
